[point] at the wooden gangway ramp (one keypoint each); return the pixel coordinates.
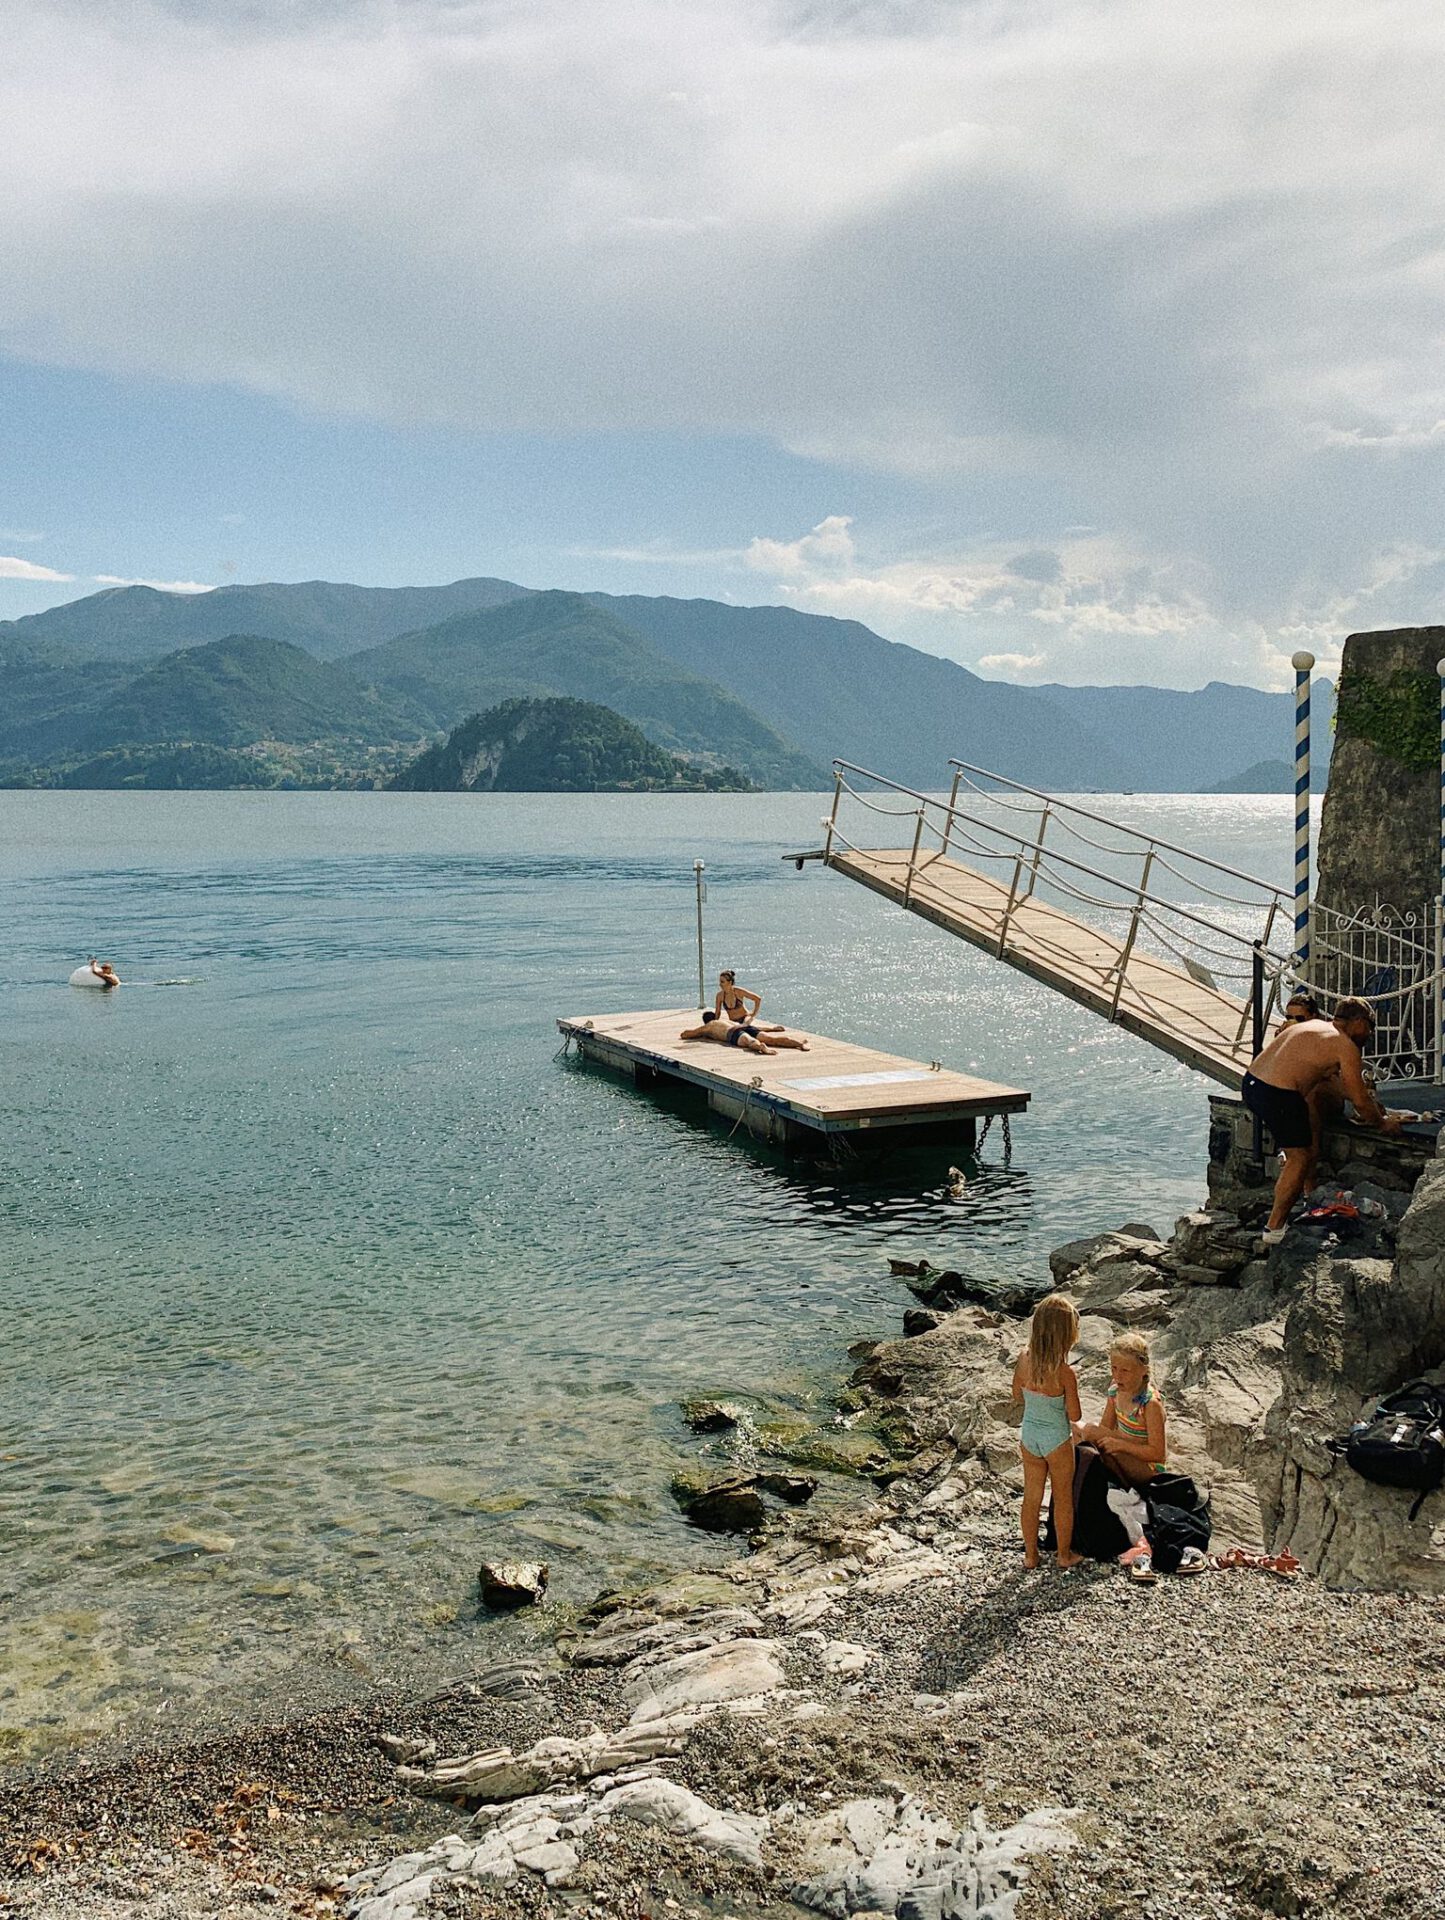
(835, 1090)
(1173, 947)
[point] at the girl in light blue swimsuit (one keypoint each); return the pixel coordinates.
(1049, 1389)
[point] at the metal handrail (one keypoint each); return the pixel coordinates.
(1050, 861)
(1151, 839)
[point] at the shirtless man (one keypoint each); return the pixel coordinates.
(746, 1036)
(1302, 1057)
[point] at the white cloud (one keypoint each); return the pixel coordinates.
(827, 549)
(1013, 666)
(1107, 612)
(14, 569)
(160, 586)
(1186, 280)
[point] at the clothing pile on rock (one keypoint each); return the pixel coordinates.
(1110, 1516)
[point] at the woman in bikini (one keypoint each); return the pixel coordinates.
(733, 1001)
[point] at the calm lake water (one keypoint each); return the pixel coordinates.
(323, 1277)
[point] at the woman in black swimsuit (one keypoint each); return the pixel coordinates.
(732, 1000)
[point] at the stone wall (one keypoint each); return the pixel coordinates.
(1349, 1157)
(1379, 834)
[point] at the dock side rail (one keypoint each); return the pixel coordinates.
(1231, 931)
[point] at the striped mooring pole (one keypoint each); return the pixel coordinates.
(1302, 662)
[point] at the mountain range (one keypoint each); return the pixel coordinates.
(363, 677)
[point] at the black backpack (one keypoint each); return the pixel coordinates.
(1179, 1518)
(1402, 1443)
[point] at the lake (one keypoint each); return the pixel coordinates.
(324, 1278)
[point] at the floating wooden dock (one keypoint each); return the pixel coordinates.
(834, 1090)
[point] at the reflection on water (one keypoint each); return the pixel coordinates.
(324, 1277)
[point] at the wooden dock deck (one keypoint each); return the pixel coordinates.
(834, 1089)
(1195, 1022)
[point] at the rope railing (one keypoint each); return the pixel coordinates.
(1045, 862)
(1044, 907)
(1061, 807)
(1159, 932)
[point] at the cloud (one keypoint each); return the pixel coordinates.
(828, 549)
(1182, 287)
(1089, 608)
(160, 586)
(13, 569)
(1013, 666)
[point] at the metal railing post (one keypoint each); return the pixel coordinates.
(1038, 852)
(1128, 947)
(952, 802)
(1440, 991)
(1013, 893)
(1261, 947)
(913, 859)
(1256, 999)
(833, 816)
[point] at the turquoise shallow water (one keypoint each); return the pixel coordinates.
(322, 1277)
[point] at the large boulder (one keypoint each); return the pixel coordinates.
(1356, 1330)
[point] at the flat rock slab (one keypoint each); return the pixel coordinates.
(736, 1670)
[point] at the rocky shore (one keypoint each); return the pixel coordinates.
(877, 1710)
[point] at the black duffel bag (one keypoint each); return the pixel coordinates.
(1402, 1443)
(1178, 1518)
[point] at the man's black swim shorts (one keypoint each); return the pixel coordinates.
(1281, 1109)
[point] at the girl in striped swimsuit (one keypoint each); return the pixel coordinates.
(1131, 1434)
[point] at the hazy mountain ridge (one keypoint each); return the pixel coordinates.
(840, 690)
(774, 691)
(1184, 742)
(564, 644)
(330, 619)
(243, 689)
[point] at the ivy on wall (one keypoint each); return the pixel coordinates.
(1400, 715)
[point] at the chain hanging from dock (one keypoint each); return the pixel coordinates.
(1008, 1137)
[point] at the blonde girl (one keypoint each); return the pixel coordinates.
(1049, 1389)
(1131, 1433)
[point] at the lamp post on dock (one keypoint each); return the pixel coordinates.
(697, 869)
(1302, 662)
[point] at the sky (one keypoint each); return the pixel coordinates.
(1077, 340)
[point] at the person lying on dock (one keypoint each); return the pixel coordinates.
(1301, 1061)
(747, 1037)
(733, 1000)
